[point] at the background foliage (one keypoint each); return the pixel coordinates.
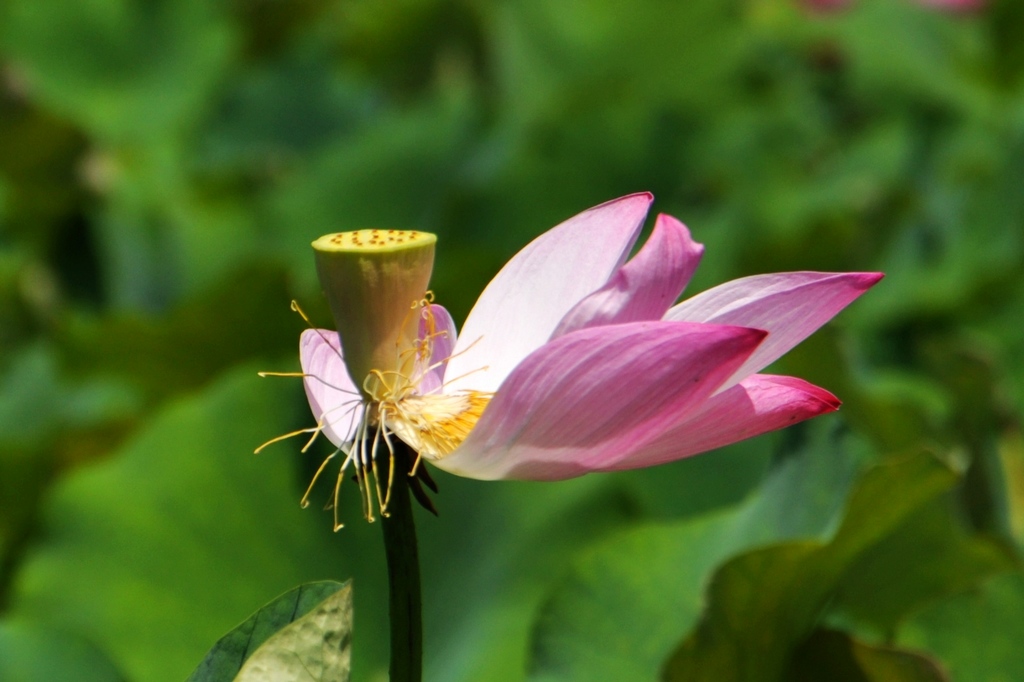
(165, 164)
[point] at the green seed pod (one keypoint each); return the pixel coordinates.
(374, 281)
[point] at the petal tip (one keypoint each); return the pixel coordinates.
(670, 219)
(640, 197)
(825, 401)
(756, 335)
(831, 403)
(818, 400)
(870, 279)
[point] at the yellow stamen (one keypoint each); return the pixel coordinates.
(286, 436)
(434, 425)
(393, 404)
(304, 502)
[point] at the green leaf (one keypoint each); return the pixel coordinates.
(927, 558)
(117, 68)
(629, 599)
(156, 552)
(835, 656)
(30, 652)
(975, 634)
(319, 646)
(1011, 453)
(391, 171)
(158, 354)
(37, 403)
(309, 627)
(763, 604)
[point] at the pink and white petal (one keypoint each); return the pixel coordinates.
(333, 397)
(646, 286)
(525, 301)
(759, 404)
(438, 327)
(789, 305)
(580, 401)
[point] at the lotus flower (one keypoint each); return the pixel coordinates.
(574, 360)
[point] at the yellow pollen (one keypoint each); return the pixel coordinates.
(434, 425)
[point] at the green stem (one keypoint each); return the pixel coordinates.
(403, 577)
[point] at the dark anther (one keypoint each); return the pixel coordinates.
(423, 474)
(421, 495)
(404, 460)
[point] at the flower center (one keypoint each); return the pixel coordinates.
(409, 403)
(428, 420)
(433, 425)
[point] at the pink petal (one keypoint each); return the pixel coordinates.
(332, 396)
(759, 404)
(646, 286)
(582, 400)
(789, 305)
(440, 328)
(523, 304)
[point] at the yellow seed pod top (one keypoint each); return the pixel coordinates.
(374, 281)
(370, 241)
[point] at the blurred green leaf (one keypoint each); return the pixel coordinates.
(309, 627)
(274, 114)
(37, 401)
(48, 422)
(695, 485)
(480, 613)
(909, 51)
(629, 599)
(393, 171)
(180, 532)
(928, 557)
(835, 656)
(120, 68)
(1011, 453)
(975, 634)
(245, 317)
(39, 193)
(30, 652)
(405, 43)
(762, 604)
(600, 48)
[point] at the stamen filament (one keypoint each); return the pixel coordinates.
(376, 476)
(316, 432)
(337, 486)
(303, 375)
(391, 463)
(366, 473)
(285, 436)
(304, 502)
(295, 307)
(416, 464)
